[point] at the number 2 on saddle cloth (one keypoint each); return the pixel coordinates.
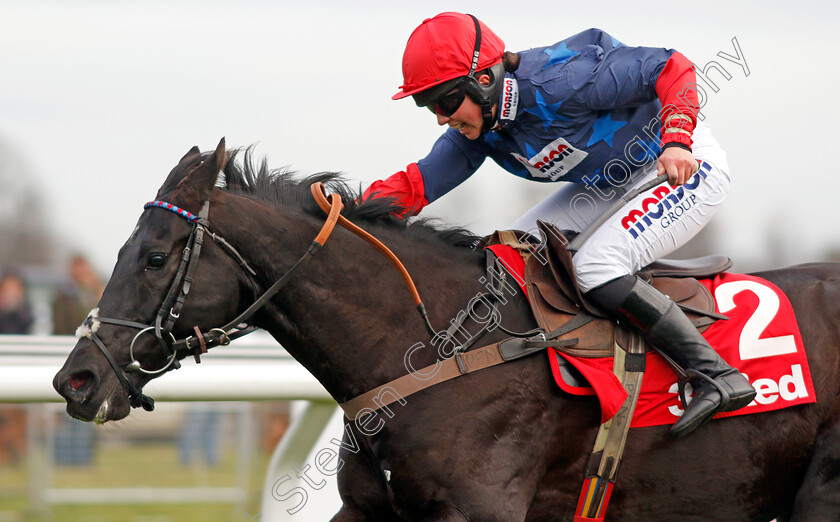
(759, 336)
(758, 333)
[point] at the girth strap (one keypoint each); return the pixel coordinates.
(462, 363)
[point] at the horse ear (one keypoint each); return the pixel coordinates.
(202, 178)
(194, 151)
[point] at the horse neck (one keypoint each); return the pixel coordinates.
(346, 315)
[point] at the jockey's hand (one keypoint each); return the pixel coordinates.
(678, 163)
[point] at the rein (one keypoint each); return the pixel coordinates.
(319, 194)
(170, 309)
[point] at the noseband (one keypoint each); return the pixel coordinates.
(170, 309)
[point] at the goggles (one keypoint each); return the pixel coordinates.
(449, 102)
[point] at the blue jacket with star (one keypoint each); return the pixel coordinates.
(576, 111)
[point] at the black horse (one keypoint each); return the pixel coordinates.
(501, 444)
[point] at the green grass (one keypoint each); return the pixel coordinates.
(136, 466)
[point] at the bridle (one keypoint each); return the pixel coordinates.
(170, 309)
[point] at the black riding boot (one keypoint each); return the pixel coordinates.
(717, 386)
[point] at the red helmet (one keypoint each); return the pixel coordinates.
(442, 49)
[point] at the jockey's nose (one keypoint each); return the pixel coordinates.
(442, 120)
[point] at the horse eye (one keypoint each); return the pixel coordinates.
(155, 261)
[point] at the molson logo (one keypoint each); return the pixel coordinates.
(666, 205)
(510, 99)
(555, 160)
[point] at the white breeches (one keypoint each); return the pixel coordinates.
(649, 227)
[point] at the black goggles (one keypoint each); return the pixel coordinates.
(448, 103)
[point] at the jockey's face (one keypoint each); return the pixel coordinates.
(467, 119)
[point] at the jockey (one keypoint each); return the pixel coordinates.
(597, 113)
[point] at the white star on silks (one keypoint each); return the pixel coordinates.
(559, 54)
(604, 128)
(547, 113)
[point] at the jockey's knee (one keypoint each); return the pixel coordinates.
(593, 269)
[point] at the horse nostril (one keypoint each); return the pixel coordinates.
(79, 379)
(79, 386)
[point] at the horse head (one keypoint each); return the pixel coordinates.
(161, 304)
(130, 338)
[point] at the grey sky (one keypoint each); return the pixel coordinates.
(102, 99)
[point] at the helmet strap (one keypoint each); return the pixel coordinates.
(487, 113)
(486, 105)
(487, 96)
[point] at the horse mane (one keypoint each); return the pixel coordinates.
(243, 175)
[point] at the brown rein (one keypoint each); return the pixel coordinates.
(211, 338)
(320, 195)
(460, 364)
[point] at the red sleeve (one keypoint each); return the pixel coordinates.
(677, 90)
(405, 187)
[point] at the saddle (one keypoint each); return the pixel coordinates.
(569, 324)
(556, 299)
(578, 329)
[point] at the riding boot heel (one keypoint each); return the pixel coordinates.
(741, 392)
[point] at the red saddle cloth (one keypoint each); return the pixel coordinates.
(761, 339)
